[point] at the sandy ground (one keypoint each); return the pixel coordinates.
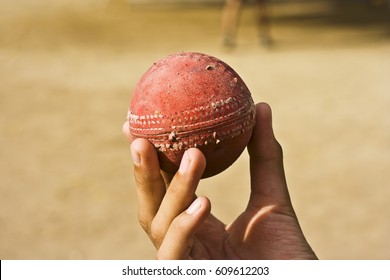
(66, 78)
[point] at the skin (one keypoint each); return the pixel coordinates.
(180, 224)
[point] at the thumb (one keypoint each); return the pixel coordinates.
(268, 180)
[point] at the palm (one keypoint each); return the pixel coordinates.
(264, 234)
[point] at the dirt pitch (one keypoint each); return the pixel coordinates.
(66, 77)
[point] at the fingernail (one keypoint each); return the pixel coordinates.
(194, 207)
(185, 162)
(135, 155)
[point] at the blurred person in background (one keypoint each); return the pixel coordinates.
(230, 18)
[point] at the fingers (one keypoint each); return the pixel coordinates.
(180, 194)
(126, 130)
(263, 145)
(179, 238)
(150, 184)
(266, 161)
(159, 206)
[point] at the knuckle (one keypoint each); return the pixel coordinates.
(279, 149)
(143, 221)
(156, 234)
(144, 178)
(182, 224)
(178, 223)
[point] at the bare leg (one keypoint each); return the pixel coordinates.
(230, 16)
(263, 22)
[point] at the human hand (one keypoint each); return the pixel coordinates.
(180, 224)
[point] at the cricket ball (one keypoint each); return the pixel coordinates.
(195, 100)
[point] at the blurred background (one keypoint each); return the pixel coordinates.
(67, 72)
